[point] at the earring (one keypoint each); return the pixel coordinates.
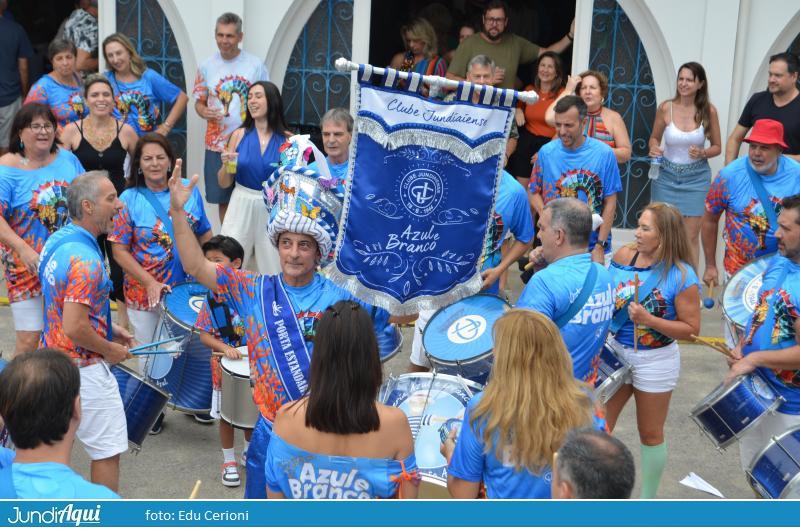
(21, 145)
(139, 172)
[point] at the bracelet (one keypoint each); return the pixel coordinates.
(167, 124)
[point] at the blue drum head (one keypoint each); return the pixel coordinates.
(185, 301)
(741, 292)
(463, 331)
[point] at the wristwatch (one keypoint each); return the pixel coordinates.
(603, 243)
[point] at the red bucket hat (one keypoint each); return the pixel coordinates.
(767, 132)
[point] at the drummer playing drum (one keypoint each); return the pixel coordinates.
(223, 331)
(769, 346)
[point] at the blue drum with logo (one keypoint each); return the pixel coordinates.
(741, 294)
(727, 412)
(775, 471)
(187, 376)
(143, 403)
(429, 401)
(458, 338)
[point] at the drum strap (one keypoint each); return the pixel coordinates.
(286, 341)
(621, 316)
(763, 195)
(580, 300)
(221, 317)
(80, 235)
(177, 268)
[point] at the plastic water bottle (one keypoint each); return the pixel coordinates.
(655, 168)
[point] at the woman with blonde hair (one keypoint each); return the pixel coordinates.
(602, 123)
(512, 428)
(421, 46)
(646, 330)
(139, 90)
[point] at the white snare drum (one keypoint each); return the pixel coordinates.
(237, 406)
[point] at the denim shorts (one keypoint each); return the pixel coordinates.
(684, 186)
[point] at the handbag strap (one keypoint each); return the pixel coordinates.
(580, 300)
(621, 317)
(763, 195)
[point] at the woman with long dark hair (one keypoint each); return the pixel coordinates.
(534, 131)
(682, 126)
(249, 158)
(339, 428)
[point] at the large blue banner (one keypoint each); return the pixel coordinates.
(420, 193)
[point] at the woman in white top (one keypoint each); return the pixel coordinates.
(684, 123)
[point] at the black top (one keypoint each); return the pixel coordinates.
(112, 159)
(761, 105)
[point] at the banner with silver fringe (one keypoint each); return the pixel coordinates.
(420, 189)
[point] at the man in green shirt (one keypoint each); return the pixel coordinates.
(507, 50)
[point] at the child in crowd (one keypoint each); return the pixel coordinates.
(222, 330)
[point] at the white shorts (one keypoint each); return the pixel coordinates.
(652, 371)
(28, 314)
(418, 356)
(103, 429)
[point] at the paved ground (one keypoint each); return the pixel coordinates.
(186, 451)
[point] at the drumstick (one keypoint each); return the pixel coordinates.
(722, 349)
(196, 489)
(154, 352)
(635, 299)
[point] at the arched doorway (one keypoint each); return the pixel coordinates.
(146, 24)
(617, 51)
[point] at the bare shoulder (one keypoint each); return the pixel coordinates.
(624, 255)
(287, 417)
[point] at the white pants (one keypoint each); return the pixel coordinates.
(103, 430)
(246, 221)
(758, 436)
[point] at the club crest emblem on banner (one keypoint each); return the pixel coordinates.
(421, 192)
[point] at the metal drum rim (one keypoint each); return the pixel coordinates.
(765, 257)
(172, 316)
(138, 377)
(773, 442)
(706, 404)
(398, 348)
(429, 375)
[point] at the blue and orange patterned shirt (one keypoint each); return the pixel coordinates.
(34, 203)
(138, 102)
(771, 326)
(660, 302)
(65, 101)
(75, 272)
(589, 173)
(747, 233)
(241, 290)
(138, 228)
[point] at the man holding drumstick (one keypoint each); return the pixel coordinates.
(76, 286)
(769, 346)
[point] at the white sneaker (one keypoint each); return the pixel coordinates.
(230, 474)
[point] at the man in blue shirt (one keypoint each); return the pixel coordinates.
(564, 228)
(15, 49)
(337, 132)
(41, 405)
(575, 165)
(770, 347)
